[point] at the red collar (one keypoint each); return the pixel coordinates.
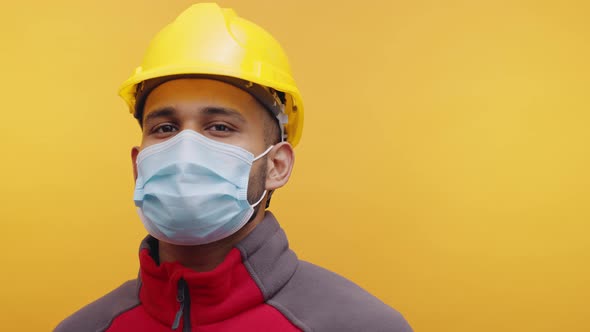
(214, 296)
(262, 258)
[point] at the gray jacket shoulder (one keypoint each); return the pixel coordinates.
(98, 315)
(316, 299)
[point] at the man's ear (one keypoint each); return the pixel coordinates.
(134, 153)
(280, 164)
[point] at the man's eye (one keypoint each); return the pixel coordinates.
(165, 129)
(220, 127)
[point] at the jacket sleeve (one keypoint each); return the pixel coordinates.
(316, 299)
(98, 315)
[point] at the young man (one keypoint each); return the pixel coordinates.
(220, 114)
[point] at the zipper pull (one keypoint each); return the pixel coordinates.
(180, 299)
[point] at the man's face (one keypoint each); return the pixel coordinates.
(217, 110)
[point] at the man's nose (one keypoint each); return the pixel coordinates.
(192, 124)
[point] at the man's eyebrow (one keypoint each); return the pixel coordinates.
(160, 112)
(169, 111)
(224, 111)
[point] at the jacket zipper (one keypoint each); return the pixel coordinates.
(183, 297)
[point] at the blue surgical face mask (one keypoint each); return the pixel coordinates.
(192, 190)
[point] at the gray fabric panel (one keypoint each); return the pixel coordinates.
(316, 299)
(267, 256)
(145, 243)
(98, 315)
(253, 241)
(312, 298)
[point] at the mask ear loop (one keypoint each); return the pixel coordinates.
(260, 200)
(260, 156)
(263, 153)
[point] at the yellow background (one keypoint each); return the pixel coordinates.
(443, 167)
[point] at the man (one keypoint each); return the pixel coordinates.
(220, 115)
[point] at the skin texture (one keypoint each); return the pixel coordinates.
(194, 104)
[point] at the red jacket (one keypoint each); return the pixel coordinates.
(260, 286)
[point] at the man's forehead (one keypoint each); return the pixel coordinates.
(199, 93)
(198, 89)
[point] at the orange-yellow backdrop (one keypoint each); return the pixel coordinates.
(443, 167)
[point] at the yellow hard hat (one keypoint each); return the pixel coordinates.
(206, 40)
